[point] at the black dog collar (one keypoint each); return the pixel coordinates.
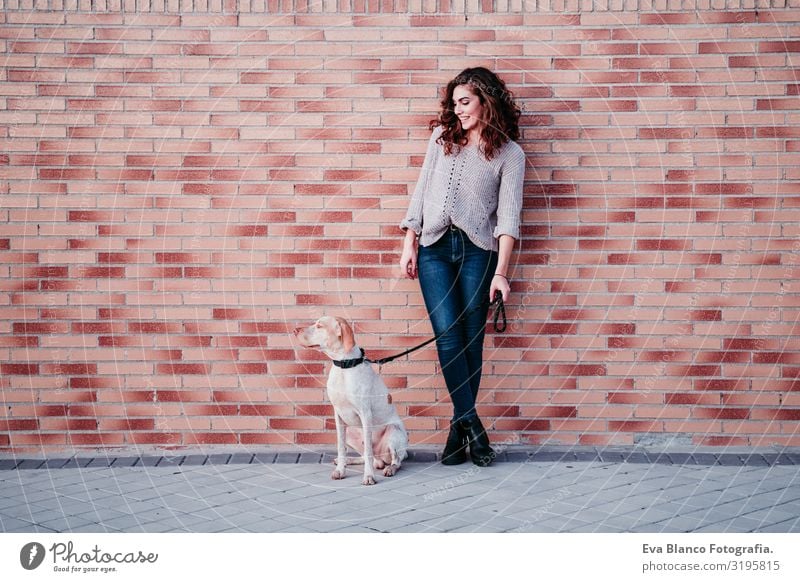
(346, 364)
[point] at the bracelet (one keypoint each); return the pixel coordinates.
(503, 276)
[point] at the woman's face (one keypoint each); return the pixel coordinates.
(467, 107)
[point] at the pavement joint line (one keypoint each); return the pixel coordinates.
(754, 458)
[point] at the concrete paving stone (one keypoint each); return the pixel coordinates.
(789, 526)
(683, 523)
(73, 489)
(11, 499)
(624, 522)
(653, 515)
(125, 462)
(8, 464)
(678, 494)
(784, 517)
(356, 529)
(561, 456)
(422, 457)
(740, 492)
(101, 474)
(395, 520)
(310, 458)
(65, 524)
(435, 525)
(100, 499)
(585, 456)
(517, 457)
(717, 513)
(611, 456)
(78, 462)
(705, 459)
(658, 458)
(184, 505)
(755, 460)
(127, 523)
(102, 515)
(267, 459)
(676, 506)
(454, 523)
(15, 525)
(194, 461)
(681, 458)
(501, 522)
(597, 528)
(758, 502)
(148, 461)
(541, 527)
(217, 459)
(41, 497)
(593, 515)
(335, 511)
(265, 526)
(13, 487)
(165, 527)
(74, 508)
(728, 460)
(207, 513)
(91, 528)
(655, 528)
(737, 526)
(552, 525)
(30, 464)
(328, 525)
(243, 520)
(54, 463)
(328, 458)
(295, 529)
(175, 461)
(140, 508)
(635, 458)
(768, 516)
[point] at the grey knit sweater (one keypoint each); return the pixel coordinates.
(481, 197)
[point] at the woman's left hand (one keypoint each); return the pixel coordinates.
(499, 283)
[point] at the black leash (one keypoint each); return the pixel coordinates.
(499, 312)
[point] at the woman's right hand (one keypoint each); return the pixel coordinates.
(408, 259)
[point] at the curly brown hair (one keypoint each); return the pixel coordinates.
(501, 114)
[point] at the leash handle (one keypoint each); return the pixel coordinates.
(499, 311)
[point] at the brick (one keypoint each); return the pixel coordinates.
(177, 199)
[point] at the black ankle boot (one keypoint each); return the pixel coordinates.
(455, 449)
(479, 450)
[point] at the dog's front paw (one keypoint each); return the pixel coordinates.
(390, 470)
(368, 480)
(337, 474)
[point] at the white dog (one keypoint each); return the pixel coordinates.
(362, 406)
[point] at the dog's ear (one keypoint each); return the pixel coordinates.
(348, 340)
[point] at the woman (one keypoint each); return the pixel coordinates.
(461, 225)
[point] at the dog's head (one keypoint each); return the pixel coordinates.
(331, 335)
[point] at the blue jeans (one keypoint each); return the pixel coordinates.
(454, 276)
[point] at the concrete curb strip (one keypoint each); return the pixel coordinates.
(517, 455)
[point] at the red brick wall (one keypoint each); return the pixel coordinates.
(183, 185)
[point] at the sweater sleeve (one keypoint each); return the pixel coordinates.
(413, 219)
(509, 200)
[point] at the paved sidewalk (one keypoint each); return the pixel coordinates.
(525, 491)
